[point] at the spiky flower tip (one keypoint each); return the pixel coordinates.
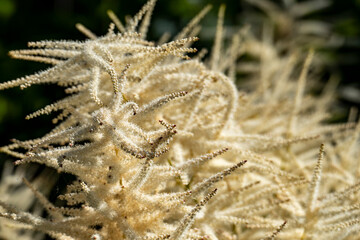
(157, 141)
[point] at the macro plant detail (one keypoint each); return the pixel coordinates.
(167, 144)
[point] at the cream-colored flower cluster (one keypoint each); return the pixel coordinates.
(165, 145)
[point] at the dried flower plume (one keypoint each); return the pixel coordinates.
(167, 146)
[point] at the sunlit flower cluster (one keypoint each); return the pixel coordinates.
(166, 145)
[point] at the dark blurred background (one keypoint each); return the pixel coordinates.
(31, 20)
